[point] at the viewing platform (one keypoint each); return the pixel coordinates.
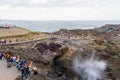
(7, 26)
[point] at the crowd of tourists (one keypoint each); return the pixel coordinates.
(24, 66)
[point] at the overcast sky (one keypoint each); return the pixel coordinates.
(60, 9)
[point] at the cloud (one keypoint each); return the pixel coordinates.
(58, 3)
(60, 9)
(59, 13)
(47, 3)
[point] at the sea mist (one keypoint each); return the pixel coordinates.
(90, 68)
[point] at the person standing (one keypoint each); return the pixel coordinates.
(23, 61)
(27, 70)
(26, 62)
(30, 68)
(18, 66)
(11, 59)
(14, 60)
(18, 59)
(35, 72)
(0, 56)
(23, 72)
(8, 62)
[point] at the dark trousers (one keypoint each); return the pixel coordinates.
(24, 75)
(0, 57)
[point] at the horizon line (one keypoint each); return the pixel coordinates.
(52, 20)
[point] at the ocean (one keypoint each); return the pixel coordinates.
(52, 26)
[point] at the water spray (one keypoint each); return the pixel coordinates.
(90, 68)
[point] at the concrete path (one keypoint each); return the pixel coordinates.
(8, 73)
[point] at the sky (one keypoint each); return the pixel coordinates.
(60, 9)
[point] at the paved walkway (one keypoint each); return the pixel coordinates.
(7, 73)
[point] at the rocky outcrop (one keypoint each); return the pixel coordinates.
(108, 28)
(54, 57)
(61, 67)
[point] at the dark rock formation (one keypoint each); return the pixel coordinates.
(54, 57)
(108, 28)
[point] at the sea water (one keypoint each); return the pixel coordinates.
(52, 26)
